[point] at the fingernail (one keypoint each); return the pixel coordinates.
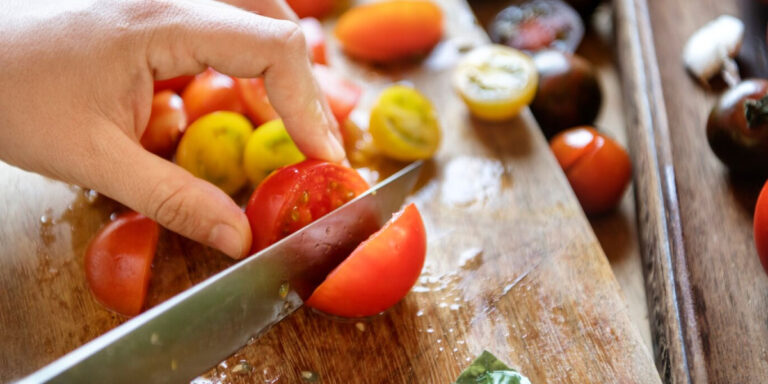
(226, 239)
(336, 149)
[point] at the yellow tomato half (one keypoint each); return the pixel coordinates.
(404, 124)
(213, 148)
(269, 148)
(496, 81)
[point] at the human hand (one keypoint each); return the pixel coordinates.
(77, 90)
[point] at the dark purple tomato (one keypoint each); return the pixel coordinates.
(737, 128)
(538, 24)
(568, 95)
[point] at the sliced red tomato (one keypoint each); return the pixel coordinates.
(315, 37)
(379, 272)
(294, 196)
(118, 262)
(175, 84)
(761, 227)
(253, 93)
(211, 91)
(342, 94)
(312, 8)
(167, 122)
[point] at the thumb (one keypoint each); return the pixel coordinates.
(171, 196)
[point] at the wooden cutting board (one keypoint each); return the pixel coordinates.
(512, 266)
(704, 278)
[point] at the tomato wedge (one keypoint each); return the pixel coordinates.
(118, 262)
(296, 195)
(761, 227)
(167, 122)
(315, 37)
(342, 94)
(379, 272)
(208, 92)
(390, 30)
(253, 94)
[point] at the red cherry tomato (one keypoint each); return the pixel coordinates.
(118, 261)
(597, 167)
(312, 8)
(761, 227)
(175, 84)
(379, 272)
(313, 33)
(167, 122)
(294, 196)
(254, 96)
(342, 94)
(209, 92)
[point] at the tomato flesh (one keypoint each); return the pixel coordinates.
(208, 92)
(167, 122)
(761, 227)
(296, 195)
(379, 272)
(253, 94)
(118, 262)
(597, 167)
(342, 95)
(390, 30)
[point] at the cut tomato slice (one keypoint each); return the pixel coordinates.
(379, 272)
(118, 262)
(296, 195)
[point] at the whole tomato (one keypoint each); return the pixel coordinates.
(568, 95)
(167, 122)
(761, 227)
(211, 91)
(737, 128)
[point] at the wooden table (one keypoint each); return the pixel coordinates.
(518, 272)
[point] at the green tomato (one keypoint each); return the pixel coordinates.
(269, 148)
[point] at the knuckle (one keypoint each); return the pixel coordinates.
(170, 205)
(293, 37)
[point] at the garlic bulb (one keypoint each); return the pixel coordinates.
(711, 49)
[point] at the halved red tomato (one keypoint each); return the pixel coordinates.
(342, 94)
(167, 122)
(315, 37)
(379, 272)
(175, 84)
(118, 262)
(208, 92)
(253, 93)
(296, 195)
(761, 227)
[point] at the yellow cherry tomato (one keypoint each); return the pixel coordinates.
(269, 148)
(212, 148)
(496, 81)
(404, 124)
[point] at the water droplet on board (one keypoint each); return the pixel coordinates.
(420, 313)
(486, 176)
(241, 368)
(360, 326)
(309, 376)
(91, 196)
(45, 219)
(430, 330)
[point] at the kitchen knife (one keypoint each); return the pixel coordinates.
(193, 331)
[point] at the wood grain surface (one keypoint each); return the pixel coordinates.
(705, 285)
(513, 266)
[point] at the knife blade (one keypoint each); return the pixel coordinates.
(193, 331)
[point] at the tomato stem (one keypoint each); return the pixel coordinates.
(756, 111)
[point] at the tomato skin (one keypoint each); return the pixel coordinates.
(256, 103)
(315, 37)
(176, 84)
(342, 95)
(379, 272)
(596, 166)
(270, 147)
(568, 94)
(538, 24)
(390, 30)
(741, 143)
(211, 91)
(761, 227)
(294, 196)
(312, 8)
(118, 262)
(167, 122)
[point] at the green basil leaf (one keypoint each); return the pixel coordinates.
(487, 369)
